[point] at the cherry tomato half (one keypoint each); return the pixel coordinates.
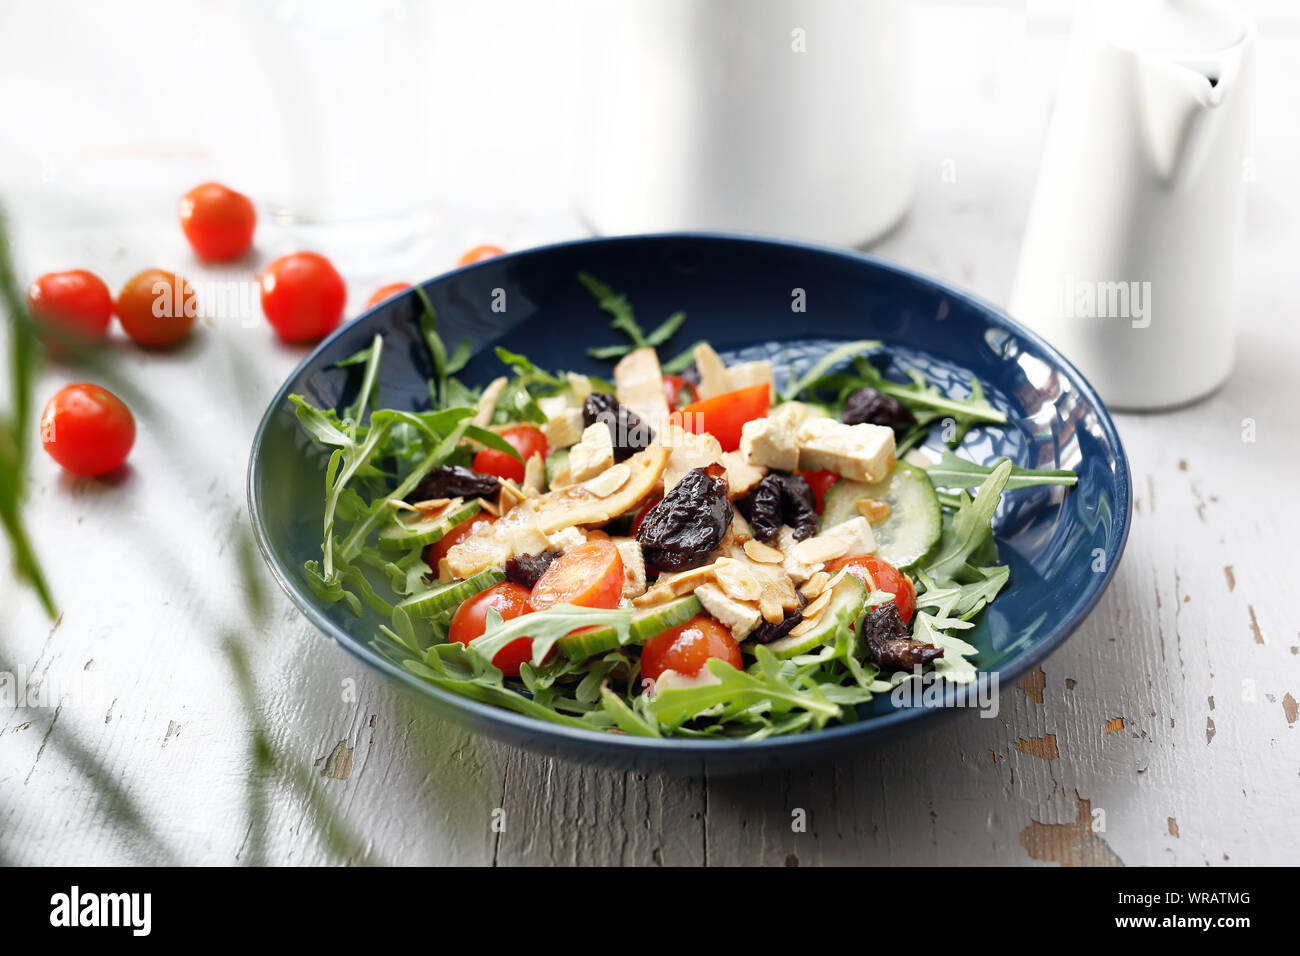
(87, 429)
(386, 292)
(71, 305)
(470, 621)
(435, 552)
(157, 308)
(883, 576)
(590, 575)
(723, 415)
(685, 649)
(525, 439)
(679, 392)
(478, 254)
(303, 296)
(217, 221)
(820, 482)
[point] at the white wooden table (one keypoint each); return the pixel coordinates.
(173, 725)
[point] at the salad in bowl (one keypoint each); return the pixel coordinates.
(682, 548)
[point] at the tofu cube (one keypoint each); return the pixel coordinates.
(859, 452)
(688, 451)
(629, 549)
(749, 374)
(773, 441)
(738, 616)
(593, 454)
(563, 426)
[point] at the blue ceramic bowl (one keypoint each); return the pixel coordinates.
(737, 292)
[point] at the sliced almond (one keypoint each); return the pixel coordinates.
(873, 510)
(534, 474)
(762, 553)
(803, 627)
(770, 607)
(815, 608)
(815, 585)
(736, 581)
(609, 481)
(819, 549)
(433, 506)
(490, 507)
(677, 585)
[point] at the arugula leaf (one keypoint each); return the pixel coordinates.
(963, 601)
(625, 321)
(443, 366)
(682, 360)
(954, 472)
(823, 365)
(764, 688)
(545, 628)
(954, 665)
(968, 536)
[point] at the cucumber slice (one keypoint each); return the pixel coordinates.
(914, 523)
(556, 462)
(847, 600)
(445, 598)
(404, 533)
(645, 625)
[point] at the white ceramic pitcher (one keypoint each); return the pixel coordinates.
(775, 116)
(1130, 250)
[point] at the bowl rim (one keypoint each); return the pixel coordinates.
(627, 747)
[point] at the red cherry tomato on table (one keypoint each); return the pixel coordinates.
(71, 305)
(679, 392)
(883, 576)
(685, 649)
(479, 254)
(723, 415)
(820, 482)
(303, 296)
(590, 575)
(157, 308)
(217, 221)
(386, 292)
(435, 552)
(87, 429)
(470, 621)
(525, 439)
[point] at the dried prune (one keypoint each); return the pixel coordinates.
(767, 632)
(890, 645)
(527, 569)
(866, 405)
(626, 429)
(691, 520)
(453, 481)
(783, 499)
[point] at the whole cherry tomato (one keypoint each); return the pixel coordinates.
(879, 574)
(217, 221)
(87, 429)
(470, 621)
(478, 254)
(72, 305)
(525, 439)
(303, 296)
(685, 649)
(156, 308)
(386, 292)
(590, 575)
